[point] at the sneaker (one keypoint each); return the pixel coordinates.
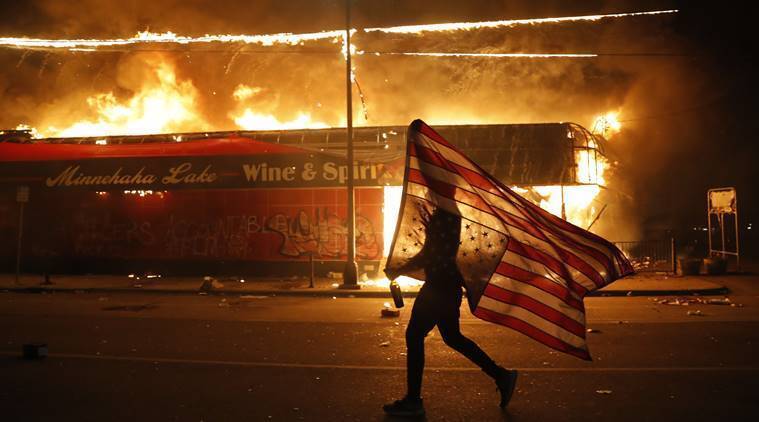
(505, 382)
(405, 407)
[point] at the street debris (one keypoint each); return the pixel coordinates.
(210, 283)
(687, 301)
(384, 344)
(603, 391)
(388, 312)
(592, 330)
(695, 313)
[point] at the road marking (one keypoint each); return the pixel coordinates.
(157, 360)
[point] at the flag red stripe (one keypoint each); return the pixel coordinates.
(475, 179)
(567, 226)
(549, 286)
(552, 263)
(531, 331)
(435, 137)
(544, 311)
(556, 262)
(432, 157)
(450, 191)
(554, 224)
(430, 133)
(456, 193)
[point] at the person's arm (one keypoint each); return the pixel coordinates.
(416, 262)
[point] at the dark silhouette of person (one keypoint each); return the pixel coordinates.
(438, 303)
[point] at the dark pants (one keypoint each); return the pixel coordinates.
(439, 308)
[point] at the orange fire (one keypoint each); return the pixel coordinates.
(245, 117)
(607, 124)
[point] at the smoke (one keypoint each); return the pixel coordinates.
(45, 89)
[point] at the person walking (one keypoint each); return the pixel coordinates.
(438, 304)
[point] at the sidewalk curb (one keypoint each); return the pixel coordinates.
(721, 290)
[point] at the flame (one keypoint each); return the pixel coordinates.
(468, 26)
(578, 201)
(294, 39)
(607, 124)
(32, 131)
(488, 55)
(147, 37)
(591, 166)
(247, 118)
(393, 195)
(250, 120)
(163, 104)
(384, 282)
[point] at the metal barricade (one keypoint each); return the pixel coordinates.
(650, 255)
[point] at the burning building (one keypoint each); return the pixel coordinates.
(246, 202)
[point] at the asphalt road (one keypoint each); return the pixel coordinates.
(198, 358)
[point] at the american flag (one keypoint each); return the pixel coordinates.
(522, 266)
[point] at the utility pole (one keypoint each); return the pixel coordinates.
(350, 274)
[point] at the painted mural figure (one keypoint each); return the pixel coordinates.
(438, 305)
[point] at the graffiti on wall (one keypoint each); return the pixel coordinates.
(228, 237)
(224, 237)
(324, 236)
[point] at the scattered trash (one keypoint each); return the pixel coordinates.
(34, 350)
(334, 275)
(390, 313)
(687, 301)
(335, 285)
(102, 299)
(592, 330)
(384, 344)
(695, 313)
(223, 305)
(630, 293)
(603, 391)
